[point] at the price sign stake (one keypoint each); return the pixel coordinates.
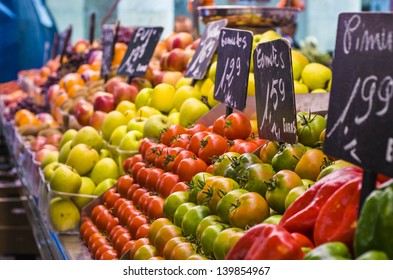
(274, 95)
(233, 65)
(109, 38)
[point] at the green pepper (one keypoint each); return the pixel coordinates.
(334, 250)
(375, 224)
(373, 255)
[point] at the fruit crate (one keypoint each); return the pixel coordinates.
(59, 210)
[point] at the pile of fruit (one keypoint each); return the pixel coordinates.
(164, 186)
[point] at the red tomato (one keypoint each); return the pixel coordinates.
(142, 231)
(109, 255)
(165, 234)
(171, 133)
(153, 151)
(103, 250)
(123, 183)
(181, 140)
(131, 190)
(188, 167)
(129, 162)
(155, 226)
(166, 182)
(137, 166)
(181, 186)
(120, 241)
(171, 244)
(119, 204)
(126, 212)
(237, 126)
(141, 176)
(135, 223)
(87, 229)
(127, 247)
(209, 169)
(219, 124)
(137, 244)
(195, 141)
(212, 145)
(258, 141)
(144, 145)
(143, 200)
(155, 209)
(196, 128)
(97, 210)
(152, 177)
(246, 147)
(233, 144)
(111, 224)
(117, 230)
(181, 155)
(137, 194)
(111, 198)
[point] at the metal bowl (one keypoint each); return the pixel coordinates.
(249, 16)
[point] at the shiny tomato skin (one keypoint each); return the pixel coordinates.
(181, 141)
(268, 150)
(246, 147)
(165, 234)
(155, 208)
(195, 141)
(183, 251)
(136, 245)
(166, 182)
(137, 166)
(219, 124)
(155, 226)
(172, 132)
(309, 128)
(212, 145)
(189, 167)
(153, 177)
(171, 244)
(237, 126)
(135, 223)
(208, 237)
(196, 128)
(123, 183)
(129, 162)
(142, 231)
(181, 155)
(225, 240)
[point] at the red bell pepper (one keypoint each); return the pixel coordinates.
(266, 242)
(302, 213)
(338, 216)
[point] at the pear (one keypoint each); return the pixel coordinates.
(104, 186)
(67, 136)
(300, 88)
(64, 151)
(65, 179)
(183, 93)
(50, 169)
(52, 156)
(316, 75)
(191, 110)
(117, 135)
(105, 168)
(112, 120)
(90, 136)
(87, 189)
(82, 158)
(64, 215)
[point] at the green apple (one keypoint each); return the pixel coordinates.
(67, 136)
(191, 110)
(131, 140)
(136, 123)
(65, 179)
(143, 98)
(105, 153)
(299, 88)
(105, 168)
(117, 135)
(183, 81)
(211, 101)
(112, 120)
(147, 111)
(104, 186)
(212, 71)
(64, 215)
(155, 126)
(64, 151)
(183, 93)
(206, 86)
(316, 75)
(130, 114)
(82, 158)
(50, 169)
(162, 97)
(125, 105)
(174, 117)
(52, 156)
(85, 192)
(90, 136)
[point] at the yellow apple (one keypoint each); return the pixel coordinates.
(162, 98)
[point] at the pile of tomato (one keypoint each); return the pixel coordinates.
(195, 193)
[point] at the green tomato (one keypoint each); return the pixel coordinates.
(225, 240)
(223, 162)
(207, 221)
(309, 128)
(288, 156)
(294, 193)
(192, 218)
(180, 211)
(208, 237)
(338, 164)
(236, 169)
(255, 177)
(279, 187)
(172, 202)
(197, 183)
(273, 219)
(220, 187)
(228, 201)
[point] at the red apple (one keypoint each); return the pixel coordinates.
(124, 91)
(179, 40)
(112, 83)
(104, 102)
(41, 154)
(53, 91)
(37, 143)
(188, 54)
(141, 83)
(97, 119)
(54, 139)
(194, 45)
(83, 110)
(158, 76)
(174, 60)
(49, 147)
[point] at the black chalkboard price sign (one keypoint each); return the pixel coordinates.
(233, 65)
(108, 37)
(274, 95)
(204, 53)
(360, 113)
(139, 51)
(65, 41)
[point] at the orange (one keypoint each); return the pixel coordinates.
(119, 52)
(71, 79)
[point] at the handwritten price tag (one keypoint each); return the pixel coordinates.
(275, 100)
(139, 51)
(233, 65)
(360, 115)
(205, 51)
(107, 49)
